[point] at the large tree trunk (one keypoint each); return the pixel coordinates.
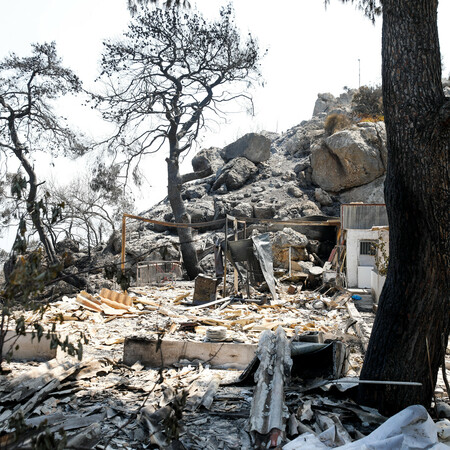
(181, 216)
(414, 305)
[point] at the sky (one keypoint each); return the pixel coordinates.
(311, 49)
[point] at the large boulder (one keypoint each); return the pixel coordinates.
(235, 174)
(253, 146)
(369, 193)
(346, 160)
(207, 158)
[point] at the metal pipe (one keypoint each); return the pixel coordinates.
(399, 383)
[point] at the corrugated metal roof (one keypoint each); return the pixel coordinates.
(363, 216)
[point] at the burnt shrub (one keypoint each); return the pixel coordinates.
(336, 122)
(368, 102)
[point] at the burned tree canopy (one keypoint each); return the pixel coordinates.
(29, 124)
(170, 69)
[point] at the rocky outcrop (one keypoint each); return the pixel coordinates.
(302, 173)
(348, 159)
(329, 104)
(255, 147)
(235, 174)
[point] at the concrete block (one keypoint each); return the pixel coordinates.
(29, 349)
(205, 289)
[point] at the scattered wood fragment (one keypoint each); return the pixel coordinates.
(89, 304)
(360, 326)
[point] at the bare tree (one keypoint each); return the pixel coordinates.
(89, 210)
(28, 123)
(170, 69)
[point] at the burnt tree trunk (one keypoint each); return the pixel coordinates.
(180, 213)
(32, 207)
(414, 304)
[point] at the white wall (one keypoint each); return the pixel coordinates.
(377, 283)
(353, 239)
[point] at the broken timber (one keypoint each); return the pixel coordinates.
(152, 353)
(361, 328)
(268, 412)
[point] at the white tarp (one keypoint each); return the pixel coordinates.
(410, 429)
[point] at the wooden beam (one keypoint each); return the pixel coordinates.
(216, 354)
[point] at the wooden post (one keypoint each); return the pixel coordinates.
(290, 262)
(124, 233)
(236, 287)
(225, 265)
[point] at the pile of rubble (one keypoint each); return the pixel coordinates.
(159, 372)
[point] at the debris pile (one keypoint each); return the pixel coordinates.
(161, 372)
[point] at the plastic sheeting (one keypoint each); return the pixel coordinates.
(410, 429)
(257, 254)
(263, 251)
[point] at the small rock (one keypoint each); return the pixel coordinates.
(323, 197)
(292, 289)
(295, 191)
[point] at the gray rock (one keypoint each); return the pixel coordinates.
(302, 165)
(345, 160)
(277, 172)
(258, 189)
(207, 158)
(295, 191)
(323, 197)
(235, 174)
(263, 210)
(328, 104)
(303, 180)
(201, 211)
(289, 238)
(309, 208)
(221, 190)
(242, 210)
(289, 175)
(369, 193)
(67, 245)
(255, 147)
(194, 192)
(324, 103)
